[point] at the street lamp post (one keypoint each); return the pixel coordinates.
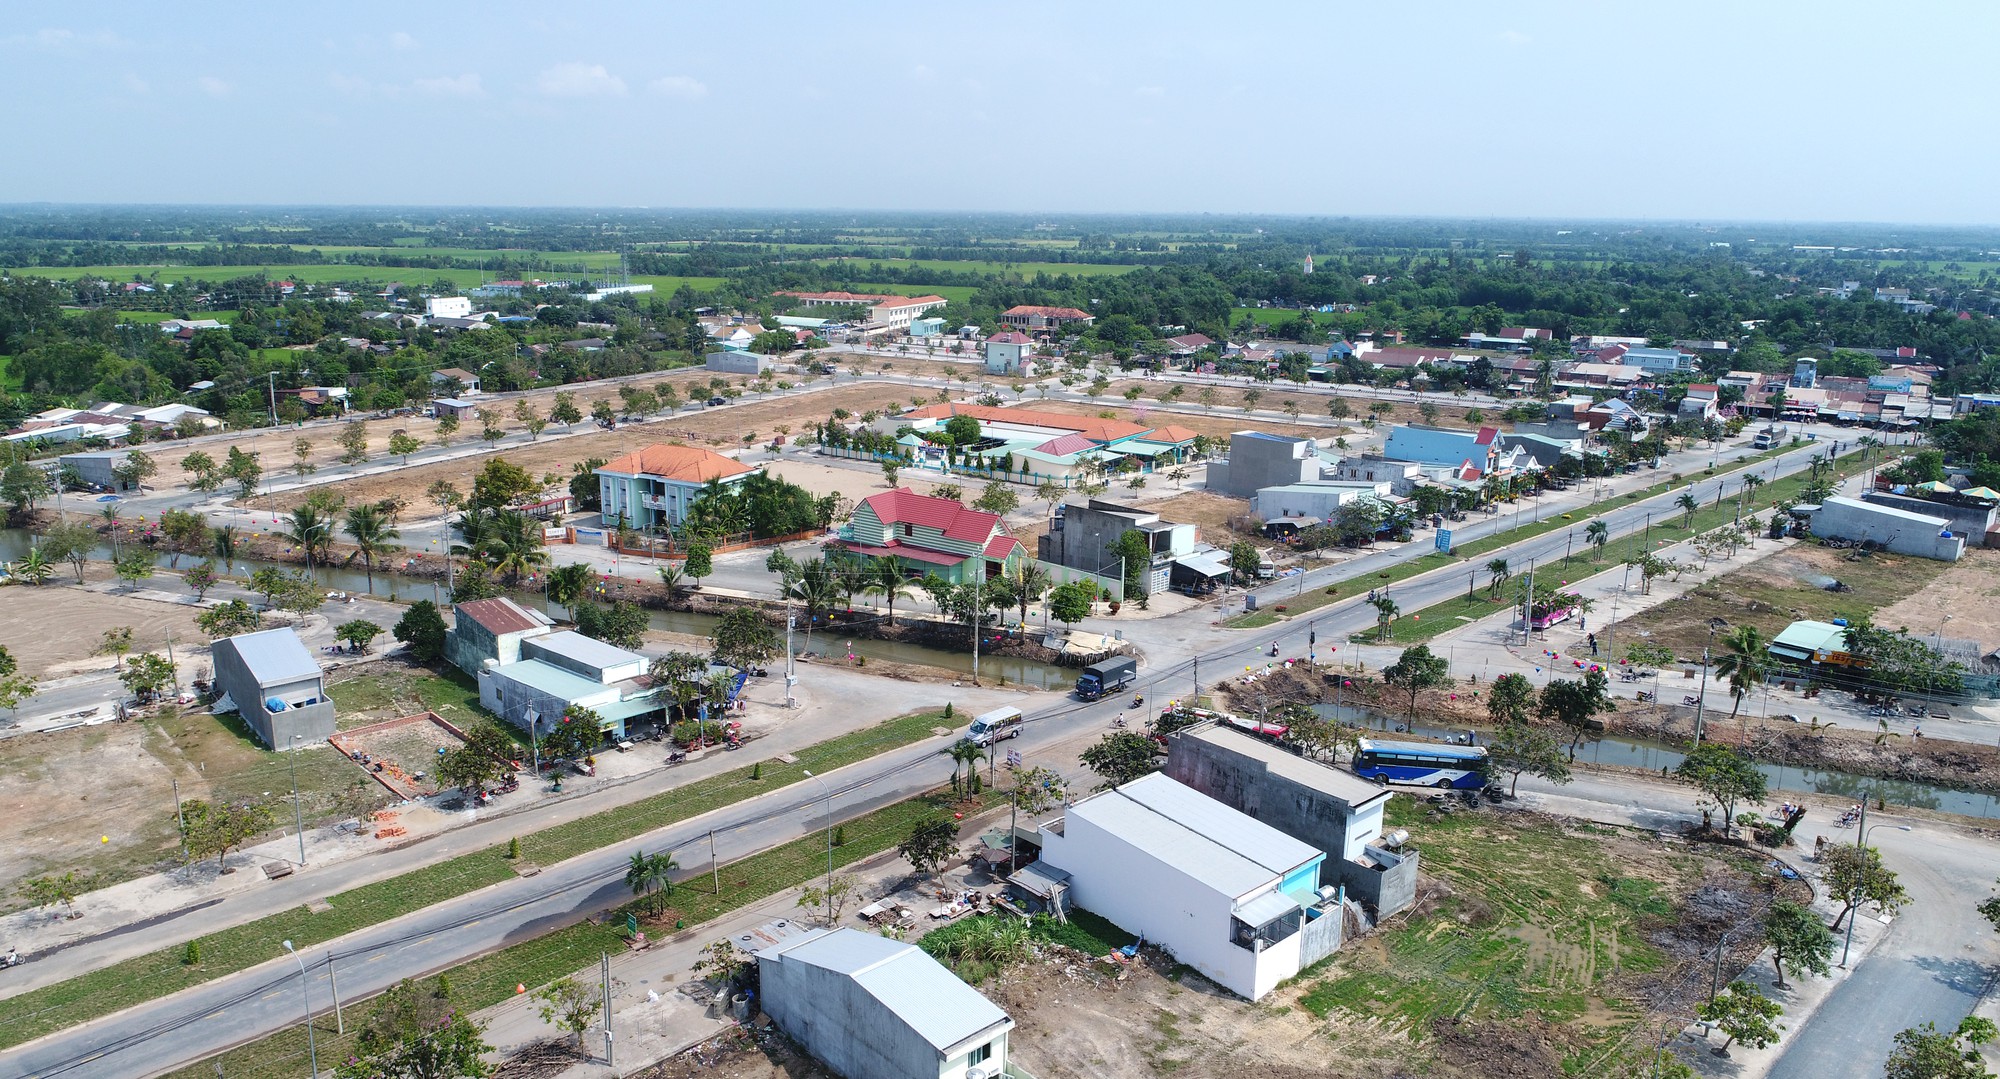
(305, 988)
(1860, 844)
(298, 816)
(829, 845)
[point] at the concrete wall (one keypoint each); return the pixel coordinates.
(841, 1024)
(469, 645)
(1845, 518)
(96, 468)
(512, 700)
(311, 722)
(1262, 461)
(1968, 521)
(738, 363)
(1309, 500)
(1385, 882)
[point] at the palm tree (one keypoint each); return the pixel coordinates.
(509, 543)
(309, 530)
(110, 514)
(966, 755)
(1501, 573)
(672, 577)
(1744, 665)
(884, 577)
(818, 590)
(1029, 582)
(650, 875)
(1688, 504)
(225, 547)
(567, 584)
(1599, 534)
(1386, 611)
(373, 536)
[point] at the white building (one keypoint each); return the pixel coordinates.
(448, 307)
(1228, 895)
(880, 1008)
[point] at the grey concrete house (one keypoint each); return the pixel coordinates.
(1258, 460)
(1330, 810)
(277, 685)
(1901, 531)
(99, 467)
(1082, 537)
(875, 1008)
(491, 629)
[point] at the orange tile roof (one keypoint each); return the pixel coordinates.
(1100, 430)
(687, 464)
(910, 301)
(1173, 433)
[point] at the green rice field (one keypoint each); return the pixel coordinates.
(1021, 269)
(317, 274)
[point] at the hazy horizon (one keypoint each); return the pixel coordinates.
(1703, 113)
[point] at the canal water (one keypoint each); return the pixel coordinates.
(1017, 672)
(1657, 756)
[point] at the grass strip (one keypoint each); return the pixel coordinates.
(1412, 628)
(164, 971)
(1462, 552)
(490, 979)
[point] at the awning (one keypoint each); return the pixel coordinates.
(1205, 563)
(1266, 908)
(1039, 879)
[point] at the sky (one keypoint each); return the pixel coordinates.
(1754, 110)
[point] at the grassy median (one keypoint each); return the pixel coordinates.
(490, 979)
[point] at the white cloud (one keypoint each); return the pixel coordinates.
(402, 41)
(1149, 91)
(466, 85)
(59, 39)
(1514, 37)
(350, 85)
(923, 73)
(213, 86)
(678, 86)
(136, 84)
(580, 80)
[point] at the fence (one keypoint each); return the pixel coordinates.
(674, 548)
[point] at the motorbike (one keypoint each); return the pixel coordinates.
(677, 756)
(11, 959)
(1690, 700)
(1138, 699)
(1645, 696)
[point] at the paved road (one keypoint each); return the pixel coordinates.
(200, 1022)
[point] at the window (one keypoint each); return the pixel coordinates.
(981, 1054)
(906, 530)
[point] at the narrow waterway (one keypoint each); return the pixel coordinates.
(389, 586)
(1660, 758)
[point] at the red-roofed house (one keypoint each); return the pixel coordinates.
(655, 486)
(931, 535)
(1032, 317)
(1701, 400)
(1188, 344)
(892, 312)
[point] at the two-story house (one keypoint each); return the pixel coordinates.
(931, 535)
(276, 685)
(1082, 536)
(1032, 317)
(654, 487)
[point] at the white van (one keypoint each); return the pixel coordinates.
(994, 726)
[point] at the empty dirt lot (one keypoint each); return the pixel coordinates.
(52, 629)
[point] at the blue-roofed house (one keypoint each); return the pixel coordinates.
(276, 685)
(1225, 893)
(1657, 360)
(1448, 447)
(871, 1006)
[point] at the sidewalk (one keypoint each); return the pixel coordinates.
(183, 904)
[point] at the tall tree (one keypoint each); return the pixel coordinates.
(1856, 876)
(1724, 776)
(884, 576)
(1416, 670)
(1797, 937)
(1520, 748)
(372, 536)
(1744, 664)
(418, 1032)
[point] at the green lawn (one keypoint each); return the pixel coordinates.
(161, 972)
(490, 979)
(1544, 920)
(151, 316)
(371, 698)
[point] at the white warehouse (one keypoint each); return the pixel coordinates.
(1228, 895)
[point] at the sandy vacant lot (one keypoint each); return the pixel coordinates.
(51, 630)
(719, 428)
(1968, 591)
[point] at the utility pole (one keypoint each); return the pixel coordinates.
(1701, 702)
(180, 820)
(339, 1021)
(177, 670)
(977, 611)
(298, 815)
(273, 376)
(714, 867)
(1860, 837)
(604, 975)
